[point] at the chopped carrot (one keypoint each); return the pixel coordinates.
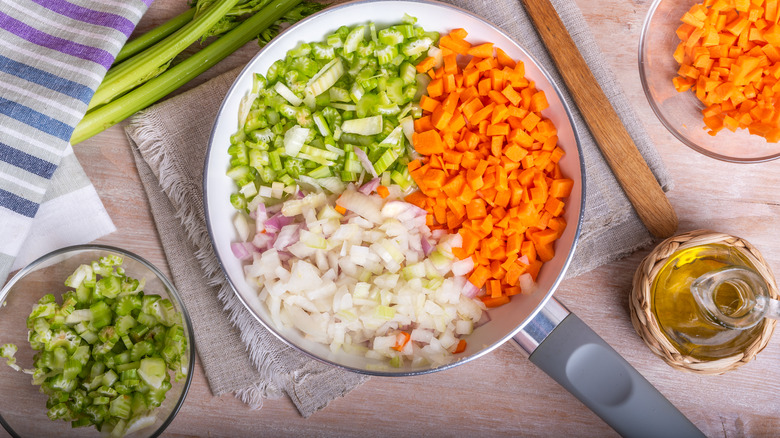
(341, 209)
(490, 169)
(426, 64)
(481, 51)
(728, 57)
(401, 340)
(460, 347)
(383, 191)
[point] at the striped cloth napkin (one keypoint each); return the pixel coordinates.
(53, 55)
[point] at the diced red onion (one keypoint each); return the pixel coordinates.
(259, 214)
(365, 161)
(261, 241)
(242, 250)
(286, 237)
(276, 222)
(427, 247)
(369, 187)
(469, 290)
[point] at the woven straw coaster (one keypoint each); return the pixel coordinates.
(646, 324)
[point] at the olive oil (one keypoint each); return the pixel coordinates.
(692, 331)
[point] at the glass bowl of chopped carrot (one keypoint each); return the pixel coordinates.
(94, 341)
(709, 70)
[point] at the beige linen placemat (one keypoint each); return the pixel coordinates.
(237, 353)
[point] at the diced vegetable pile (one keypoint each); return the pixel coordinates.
(491, 172)
(330, 112)
(729, 55)
(370, 279)
(104, 353)
(368, 244)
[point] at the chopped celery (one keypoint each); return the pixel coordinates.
(105, 352)
(312, 107)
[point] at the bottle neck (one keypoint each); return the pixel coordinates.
(733, 297)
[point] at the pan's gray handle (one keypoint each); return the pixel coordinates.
(570, 352)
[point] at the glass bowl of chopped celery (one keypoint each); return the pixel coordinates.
(94, 341)
(690, 58)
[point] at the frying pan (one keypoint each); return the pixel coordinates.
(555, 339)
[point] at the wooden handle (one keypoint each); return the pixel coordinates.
(628, 165)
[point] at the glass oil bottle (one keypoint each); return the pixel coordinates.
(709, 301)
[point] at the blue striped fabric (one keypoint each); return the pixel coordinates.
(53, 55)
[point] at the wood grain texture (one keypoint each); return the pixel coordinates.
(503, 394)
(615, 143)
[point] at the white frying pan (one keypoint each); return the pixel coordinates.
(556, 340)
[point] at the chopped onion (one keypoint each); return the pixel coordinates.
(469, 290)
(463, 267)
(286, 237)
(365, 161)
(374, 281)
(241, 250)
(369, 187)
(526, 283)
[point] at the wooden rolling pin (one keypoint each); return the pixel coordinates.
(628, 165)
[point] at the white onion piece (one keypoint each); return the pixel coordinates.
(242, 226)
(463, 267)
(366, 206)
(526, 283)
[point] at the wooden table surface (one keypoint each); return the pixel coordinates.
(503, 393)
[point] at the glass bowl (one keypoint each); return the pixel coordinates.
(22, 406)
(679, 112)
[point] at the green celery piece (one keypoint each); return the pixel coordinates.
(127, 304)
(100, 400)
(178, 75)
(81, 422)
(101, 315)
(59, 358)
(109, 378)
(60, 412)
(123, 324)
(108, 287)
(128, 366)
(133, 72)
(140, 350)
(81, 355)
(62, 383)
(153, 371)
(96, 413)
(106, 391)
(123, 357)
(108, 334)
(83, 272)
(146, 320)
(121, 407)
(139, 404)
(7, 351)
(129, 375)
(155, 396)
(72, 369)
(78, 400)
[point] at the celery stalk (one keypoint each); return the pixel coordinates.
(142, 42)
(129, 74)
(150, 92)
